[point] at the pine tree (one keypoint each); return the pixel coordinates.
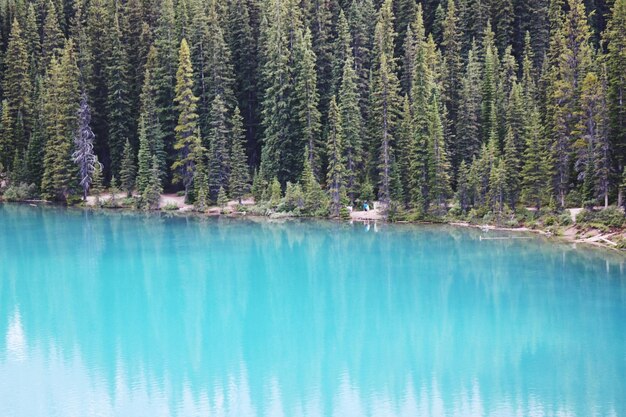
(239, 177)
(351, 125)
(32, 41)
(463, 193)
(53, 39)
(94, 73)
(322, 46)
(245, 60)
(468, 124)
(36, 143)
(512, 168)
(201, 186)
(315, 200)
(97, 186)
(335, 152)
(574, 61)
(118, 105)
(440, 178)
(144, 159)
(276, 74)
(274, 193)
(7, 138)
(211, 58)
(16, 84)
(187, 139)
(61, 103)
(536, 170)
(164, 77)
(128, 169)
(305, 100)
(84, 155)
(385, 105)
(497, 185)
(152, 193)
(149, 116)
(616, 62)
(222, 198)
(219, 145)
(453, 69)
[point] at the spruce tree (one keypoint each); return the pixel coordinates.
(7, 138)
(53, 39)
(16, 84)
(244, 50)
(128, 169)
(164, 77)
(118, 105)
(276, 75)
(149, 116)
(305, 101)
(512, 169)
(352, 126)
(97, 186)
(219, 146)
(187, 139)
(222, 197)
(61, 103)
(535, 173)
(152, 193)
(239, 177)
(211, 58)
(463, 192)
(574, 61)
(144, 159)
(616, 62)
(334, 152)
(468, 127)
(440, 171)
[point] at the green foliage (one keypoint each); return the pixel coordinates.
(20, 192)
(152, 193)
(128, 171)
(222, 198)
(611, 217)
(275, 193)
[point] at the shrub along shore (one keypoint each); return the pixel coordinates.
(599, 226)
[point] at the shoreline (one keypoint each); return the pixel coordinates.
(570, 235)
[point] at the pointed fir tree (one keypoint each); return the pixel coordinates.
(53, 39)
(616, 62)
(152, 193)
(61, 102)
(219, 145)
(7, 138)
(149, 116)
(386, 104)
(144, 159)
(440, 171)
(97, 185)
(352, 126)
(16, 84)
(535, 173)
(334, 153)
(239, 177)
(118, 104)
(305, 101)
(128, 169)
(187, 139)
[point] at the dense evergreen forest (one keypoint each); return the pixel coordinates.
(466, 103)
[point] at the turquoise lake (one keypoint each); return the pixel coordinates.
(117, 314)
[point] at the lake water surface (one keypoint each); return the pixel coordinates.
(143, 315)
